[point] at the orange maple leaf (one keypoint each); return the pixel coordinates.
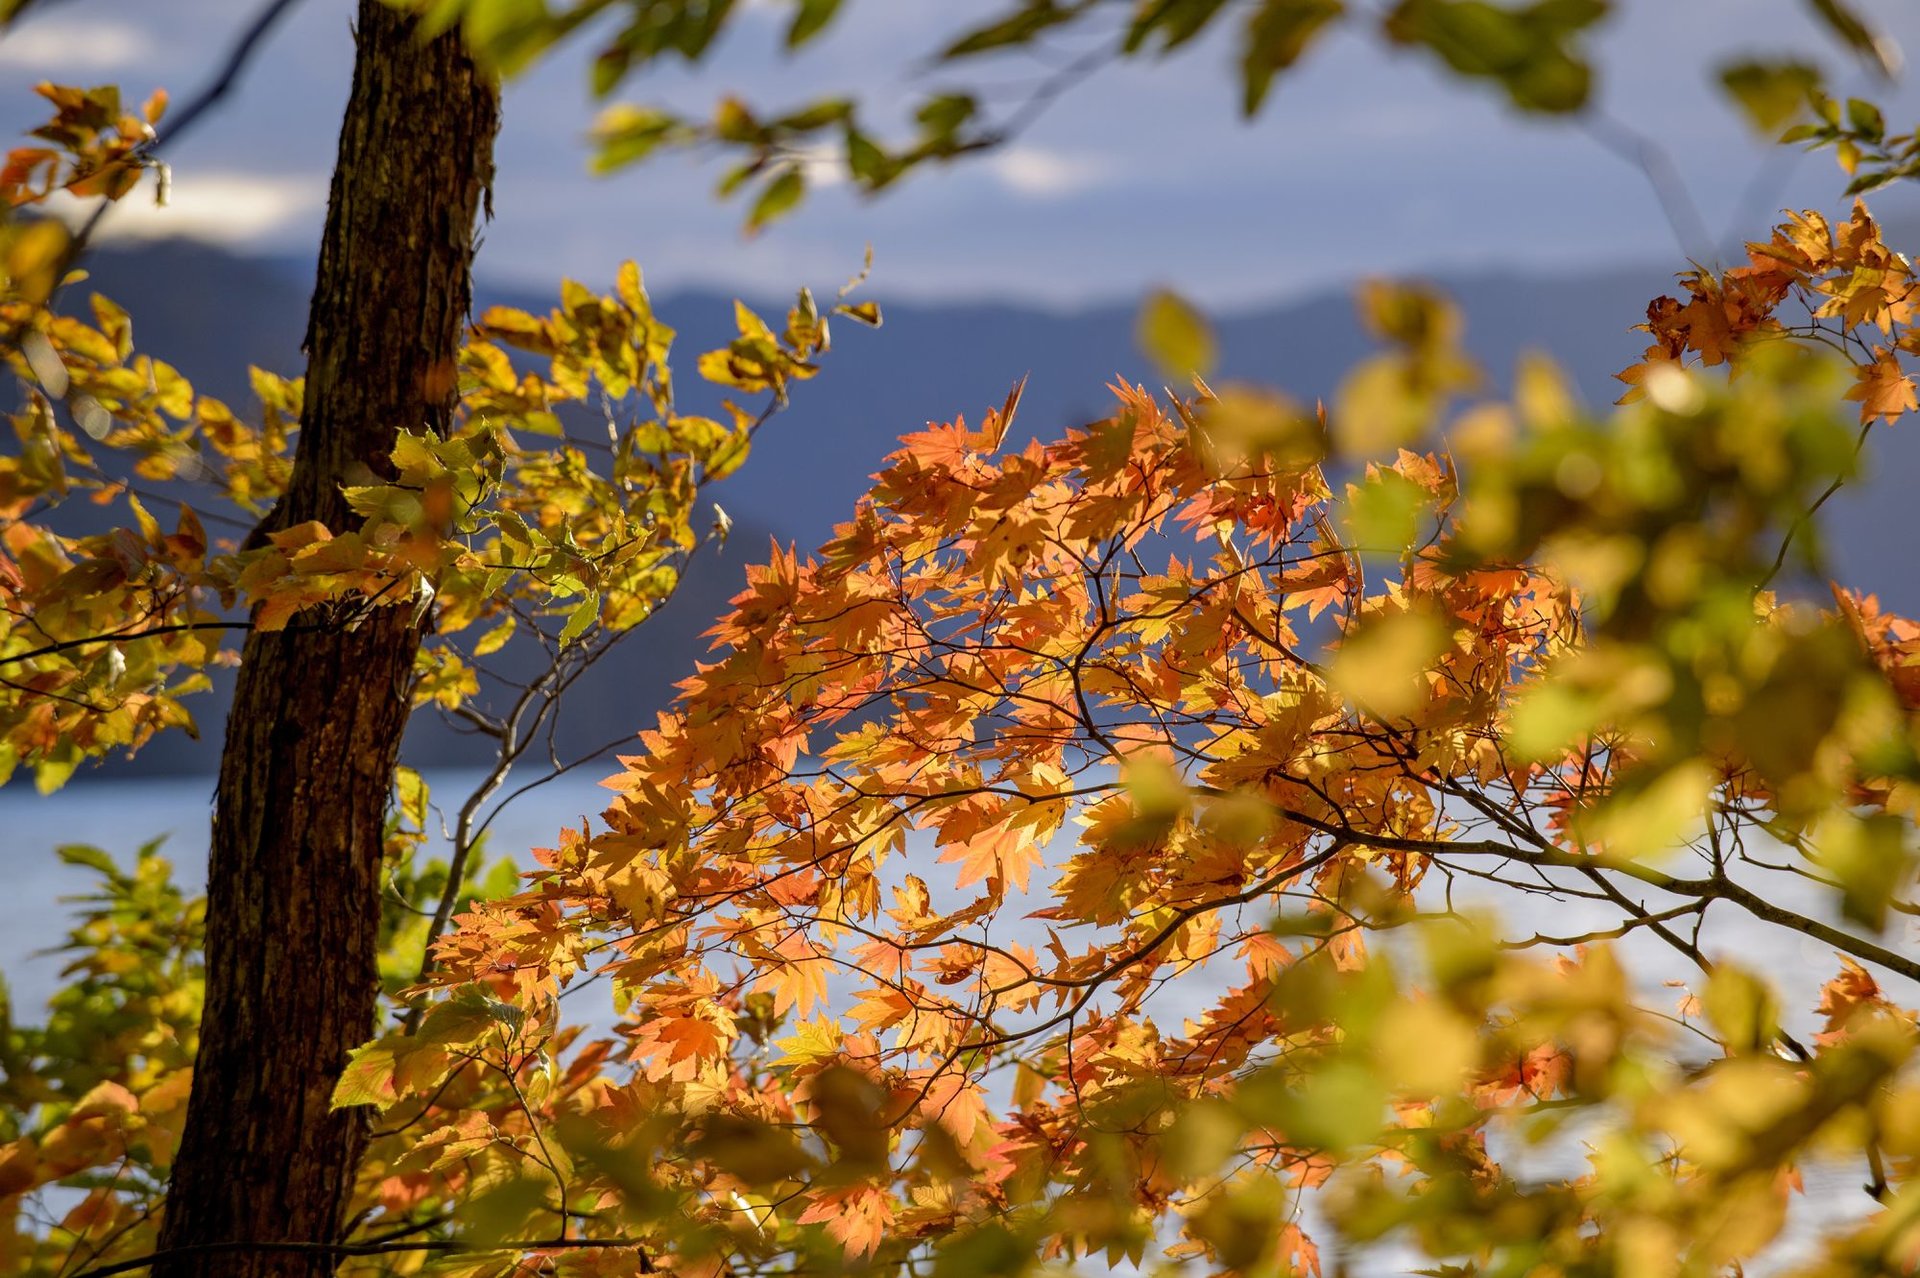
(1883, 388)
(856, 1216)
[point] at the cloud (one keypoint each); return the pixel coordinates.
(65, 46)
(232, 209)
(1046, 175)
(824, 166)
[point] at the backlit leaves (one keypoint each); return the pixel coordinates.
(1844, 273)
(1876, 48)
(810, 18)
(508, 515)
(95, 146)
(1176, 337)
(1279, 33)
(1532, 50)
(1021, 25)
(1866, 151)
(1772, 94)
(1009, 886)
(961, 801)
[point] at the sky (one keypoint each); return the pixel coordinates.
(1366, 160)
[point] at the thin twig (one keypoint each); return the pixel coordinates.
(124, 637)
(183, 121)
(357, 1249)
(1663, 175)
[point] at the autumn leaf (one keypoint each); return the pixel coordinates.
(1176, 337)
(1883, 389)
(857, 1217)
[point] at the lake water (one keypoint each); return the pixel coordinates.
(118, 816)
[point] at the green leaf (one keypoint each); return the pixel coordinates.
(756, 1152)
(990, 1249)
(734, 121)
(467, 1018)
(1382, 665)
(55, 767)
(91, 857)
(868, 164)
(1380, 407)
(1528, 51)
(1338, 1105)
(1874, 49)
(1771, 94)
(1741, 1007)
(1175, 336)
(1277, 34)
(1174, 21)
(809, 19)
(1872, 859)
(1383, 514)
(514, 529)
(368, 1078)
(817, 115)
(508, 34)
(1018, 27)
(626, 133)
(584, 614)
(942, 116)
(777, 198)
(1864, 118)
(1873, 181)
(610, 68)
(45, 363)
(504, 1209)
(738, 176)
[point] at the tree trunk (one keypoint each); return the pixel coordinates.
(293, 905)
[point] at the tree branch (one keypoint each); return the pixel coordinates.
(444, 1246)
(66, 645)
(184, 120)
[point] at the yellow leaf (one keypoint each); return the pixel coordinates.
(1175, 336)
(1382, 664)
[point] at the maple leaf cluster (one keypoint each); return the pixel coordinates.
(504, 526)
(1084, 852)
(1853, 291)
(1006, 879)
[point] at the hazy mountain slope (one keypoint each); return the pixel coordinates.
(931, 363)
(212, 313)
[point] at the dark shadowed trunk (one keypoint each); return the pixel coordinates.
(293, 895)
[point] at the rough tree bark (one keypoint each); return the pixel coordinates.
(293, 903)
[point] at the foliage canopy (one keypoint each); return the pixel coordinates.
(1232, 830)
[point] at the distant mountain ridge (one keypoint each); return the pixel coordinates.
(212, 313)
